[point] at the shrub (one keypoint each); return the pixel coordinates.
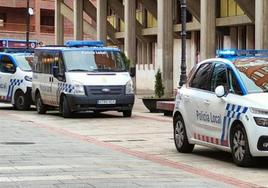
(159, 87)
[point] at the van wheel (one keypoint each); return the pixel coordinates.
(22, 101)
(40, 107)
(180, 137)
(240, 148)
(66, 112)
(127, 113)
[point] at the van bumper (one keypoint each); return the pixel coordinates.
(86, 103)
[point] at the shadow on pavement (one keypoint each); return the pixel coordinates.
(84, 115)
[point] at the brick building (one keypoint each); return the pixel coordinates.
(13, 20)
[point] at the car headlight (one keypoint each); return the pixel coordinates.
(261, 121)
(79, 89)
(129, 87)
(28, 78)
(259, 111)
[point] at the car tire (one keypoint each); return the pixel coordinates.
(239, 146)
(22, 101)
(127, 113)
(66, 111)
(180, 137)
(41, 108)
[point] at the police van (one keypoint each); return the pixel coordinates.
(16, 73)
(81, 76)
(224, 105)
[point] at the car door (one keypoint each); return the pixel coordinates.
(7, 71)
(194, 97)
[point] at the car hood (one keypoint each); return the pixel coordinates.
(257, 100)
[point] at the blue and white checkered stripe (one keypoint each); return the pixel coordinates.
(232, 112)
(12, 84)
(66, 88)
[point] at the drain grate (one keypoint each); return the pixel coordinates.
(17, 143)
(137, 140)
(112, 141)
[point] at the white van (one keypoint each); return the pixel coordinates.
(81, 76)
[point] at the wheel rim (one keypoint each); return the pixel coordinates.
(179, 133)
(38, 104)
(239, 145)
(20, 101)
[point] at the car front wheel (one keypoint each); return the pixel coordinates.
(40, 107)
(240, 148)
(180, 137)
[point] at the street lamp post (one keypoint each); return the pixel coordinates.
(183, 76)
(29, 12)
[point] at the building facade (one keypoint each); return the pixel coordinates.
(148, 30)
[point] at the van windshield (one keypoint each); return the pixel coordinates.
(24, 62)
(93, 61)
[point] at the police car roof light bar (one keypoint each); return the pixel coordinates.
(83, 43)
(237, 53)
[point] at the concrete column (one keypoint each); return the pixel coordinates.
(149, 54)
(144, 54)
(102, 20)
(37, 17)
(59, 24)
(165, 42)
(250, 37)
(78, 19)
(130, 30)
(208, 29)
(261, 24)
(233, 37)
(241, 38)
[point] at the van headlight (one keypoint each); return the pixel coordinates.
(261, 121)
(129, 87)
(28, 78)
(79, 89)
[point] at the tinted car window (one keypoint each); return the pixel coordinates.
(219, 76)
(6, 65)
(233, 84)
(201, 79)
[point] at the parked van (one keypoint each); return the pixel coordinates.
(81, 76)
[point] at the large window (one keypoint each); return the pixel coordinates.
(201, 79)
(219, 76)
(24, 62)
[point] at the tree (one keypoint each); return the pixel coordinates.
(159, 87)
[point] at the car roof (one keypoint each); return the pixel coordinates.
(65, 48)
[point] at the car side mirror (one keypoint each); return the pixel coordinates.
(132, 71)
(220, 91)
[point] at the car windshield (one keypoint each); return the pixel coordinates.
(94, 61)
(254, 73)
(24, 62)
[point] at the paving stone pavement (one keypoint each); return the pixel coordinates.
(31, 156)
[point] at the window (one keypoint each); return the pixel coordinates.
(201, 79)
(219, 76)
(58, 61)
(6, 65)
(43, 61)
(233, 84)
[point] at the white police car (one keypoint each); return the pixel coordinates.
(16, 78)
(224, 105)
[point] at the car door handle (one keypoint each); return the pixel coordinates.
(186, 98)
(206, 101)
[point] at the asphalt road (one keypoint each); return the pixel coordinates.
(108, 150)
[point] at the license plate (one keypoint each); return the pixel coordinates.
(106, 102)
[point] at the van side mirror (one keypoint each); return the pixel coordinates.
(220, 91)
(132, 71)
(55, 71)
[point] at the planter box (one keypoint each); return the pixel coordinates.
(151, 103)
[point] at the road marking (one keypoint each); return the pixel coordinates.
(145, 156)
